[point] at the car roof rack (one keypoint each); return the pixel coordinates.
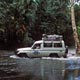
(54, 37)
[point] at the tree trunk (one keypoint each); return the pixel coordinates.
(77, 44)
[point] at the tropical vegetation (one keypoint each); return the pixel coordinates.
(23, 21)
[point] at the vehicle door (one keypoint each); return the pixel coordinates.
(36, 50)
(47, 48)
(58, 47)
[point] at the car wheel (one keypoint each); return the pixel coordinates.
(54, 55)
(65, 56)
(22, 55)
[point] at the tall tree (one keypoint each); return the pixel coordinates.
(77, 44)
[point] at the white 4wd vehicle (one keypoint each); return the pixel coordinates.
(51, 46)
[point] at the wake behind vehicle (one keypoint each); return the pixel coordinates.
(49, 46)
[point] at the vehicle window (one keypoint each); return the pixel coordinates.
(57, 45)
(47, 44)
(37, 46)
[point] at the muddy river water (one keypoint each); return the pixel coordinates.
(15, 68)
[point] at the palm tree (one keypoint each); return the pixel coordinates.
(77, 44)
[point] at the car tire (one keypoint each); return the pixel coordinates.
(65, 56)
(54, 55)
(22, 55)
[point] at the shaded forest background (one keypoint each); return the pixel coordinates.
(24, 21)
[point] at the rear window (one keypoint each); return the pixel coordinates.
(57, 45)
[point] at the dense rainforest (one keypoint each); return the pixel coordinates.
(24, 21)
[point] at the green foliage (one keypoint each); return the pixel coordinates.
(77, 14)
(37, 16)
(51, 17)
(12, 17)
(78, 28)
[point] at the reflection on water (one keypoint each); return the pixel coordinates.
(16, 68)
(72, 69)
